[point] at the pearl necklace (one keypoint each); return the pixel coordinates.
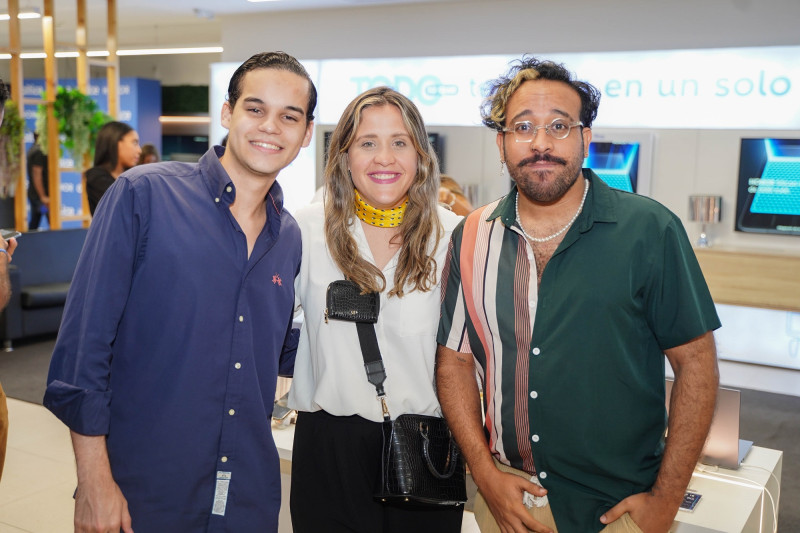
(562, 230)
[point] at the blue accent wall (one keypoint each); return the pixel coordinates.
(139, 106)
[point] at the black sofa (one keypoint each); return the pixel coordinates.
(40, 275)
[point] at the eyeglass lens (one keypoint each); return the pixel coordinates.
(525, 131)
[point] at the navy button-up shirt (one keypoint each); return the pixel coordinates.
(171, 343)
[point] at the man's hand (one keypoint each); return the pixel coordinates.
(10, 245)
(651, 512)
(100, 507)
(691, 409)
(503, 494)
(458, 395)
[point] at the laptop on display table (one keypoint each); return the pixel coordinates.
(723, 447)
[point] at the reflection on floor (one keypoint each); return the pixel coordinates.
(39, 476)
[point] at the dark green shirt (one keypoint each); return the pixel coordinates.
(573, 372)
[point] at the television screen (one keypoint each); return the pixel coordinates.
(615, 163)
(768, 199)
(437, 142)
(326, 144)
(186, 148)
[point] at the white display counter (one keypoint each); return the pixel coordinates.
(734, 501)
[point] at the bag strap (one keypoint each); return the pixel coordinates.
(373, 362)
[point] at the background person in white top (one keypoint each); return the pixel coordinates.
(380, 226)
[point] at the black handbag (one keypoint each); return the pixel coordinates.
(344, 301)
(421, 462)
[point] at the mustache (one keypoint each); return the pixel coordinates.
(541, 157)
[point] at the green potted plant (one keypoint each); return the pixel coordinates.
(12, 131)
(79, 119)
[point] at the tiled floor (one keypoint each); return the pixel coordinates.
(39, 476)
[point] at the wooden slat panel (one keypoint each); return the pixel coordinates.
(112, 72)
(51, 84)
(81, 40)
(20, 195)
(752, 278)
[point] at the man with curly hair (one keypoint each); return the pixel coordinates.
(565, 296)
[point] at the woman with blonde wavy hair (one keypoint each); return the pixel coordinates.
(382, 228)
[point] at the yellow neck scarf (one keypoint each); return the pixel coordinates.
(382, 218)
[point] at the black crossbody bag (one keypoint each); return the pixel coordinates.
(421, 462)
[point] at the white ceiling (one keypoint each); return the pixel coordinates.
(182, 11)
(165, 21)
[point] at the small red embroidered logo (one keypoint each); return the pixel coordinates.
(277, 279)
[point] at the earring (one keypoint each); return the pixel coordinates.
(502, 168)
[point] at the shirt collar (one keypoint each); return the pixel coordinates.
(600, 205)
(221, 187)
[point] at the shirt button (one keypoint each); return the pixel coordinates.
(535, 438)
(231, 412)
(543, 475)
(228, 188)
(536, 351)
(241, 318)
(216, 200)
(237, 366)
(534, 394)
(224, 459)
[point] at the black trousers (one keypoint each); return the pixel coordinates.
(37, 212)
(336, 464)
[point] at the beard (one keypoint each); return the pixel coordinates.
(545, 186)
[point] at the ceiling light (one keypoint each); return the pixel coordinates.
(184, 119)
(26, 13)
(171, 51)
(140, 52)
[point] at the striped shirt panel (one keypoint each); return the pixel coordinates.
(489, 303)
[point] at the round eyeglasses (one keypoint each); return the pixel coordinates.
(525, 131)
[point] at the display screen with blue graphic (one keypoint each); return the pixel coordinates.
(768, 198)
(615, 163)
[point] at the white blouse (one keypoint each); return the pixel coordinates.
(329, 371)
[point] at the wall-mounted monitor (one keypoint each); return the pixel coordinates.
(185, 148)
(616, 163)
(768, 199)
(622, 160)
(437, 142)
(326, 143)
